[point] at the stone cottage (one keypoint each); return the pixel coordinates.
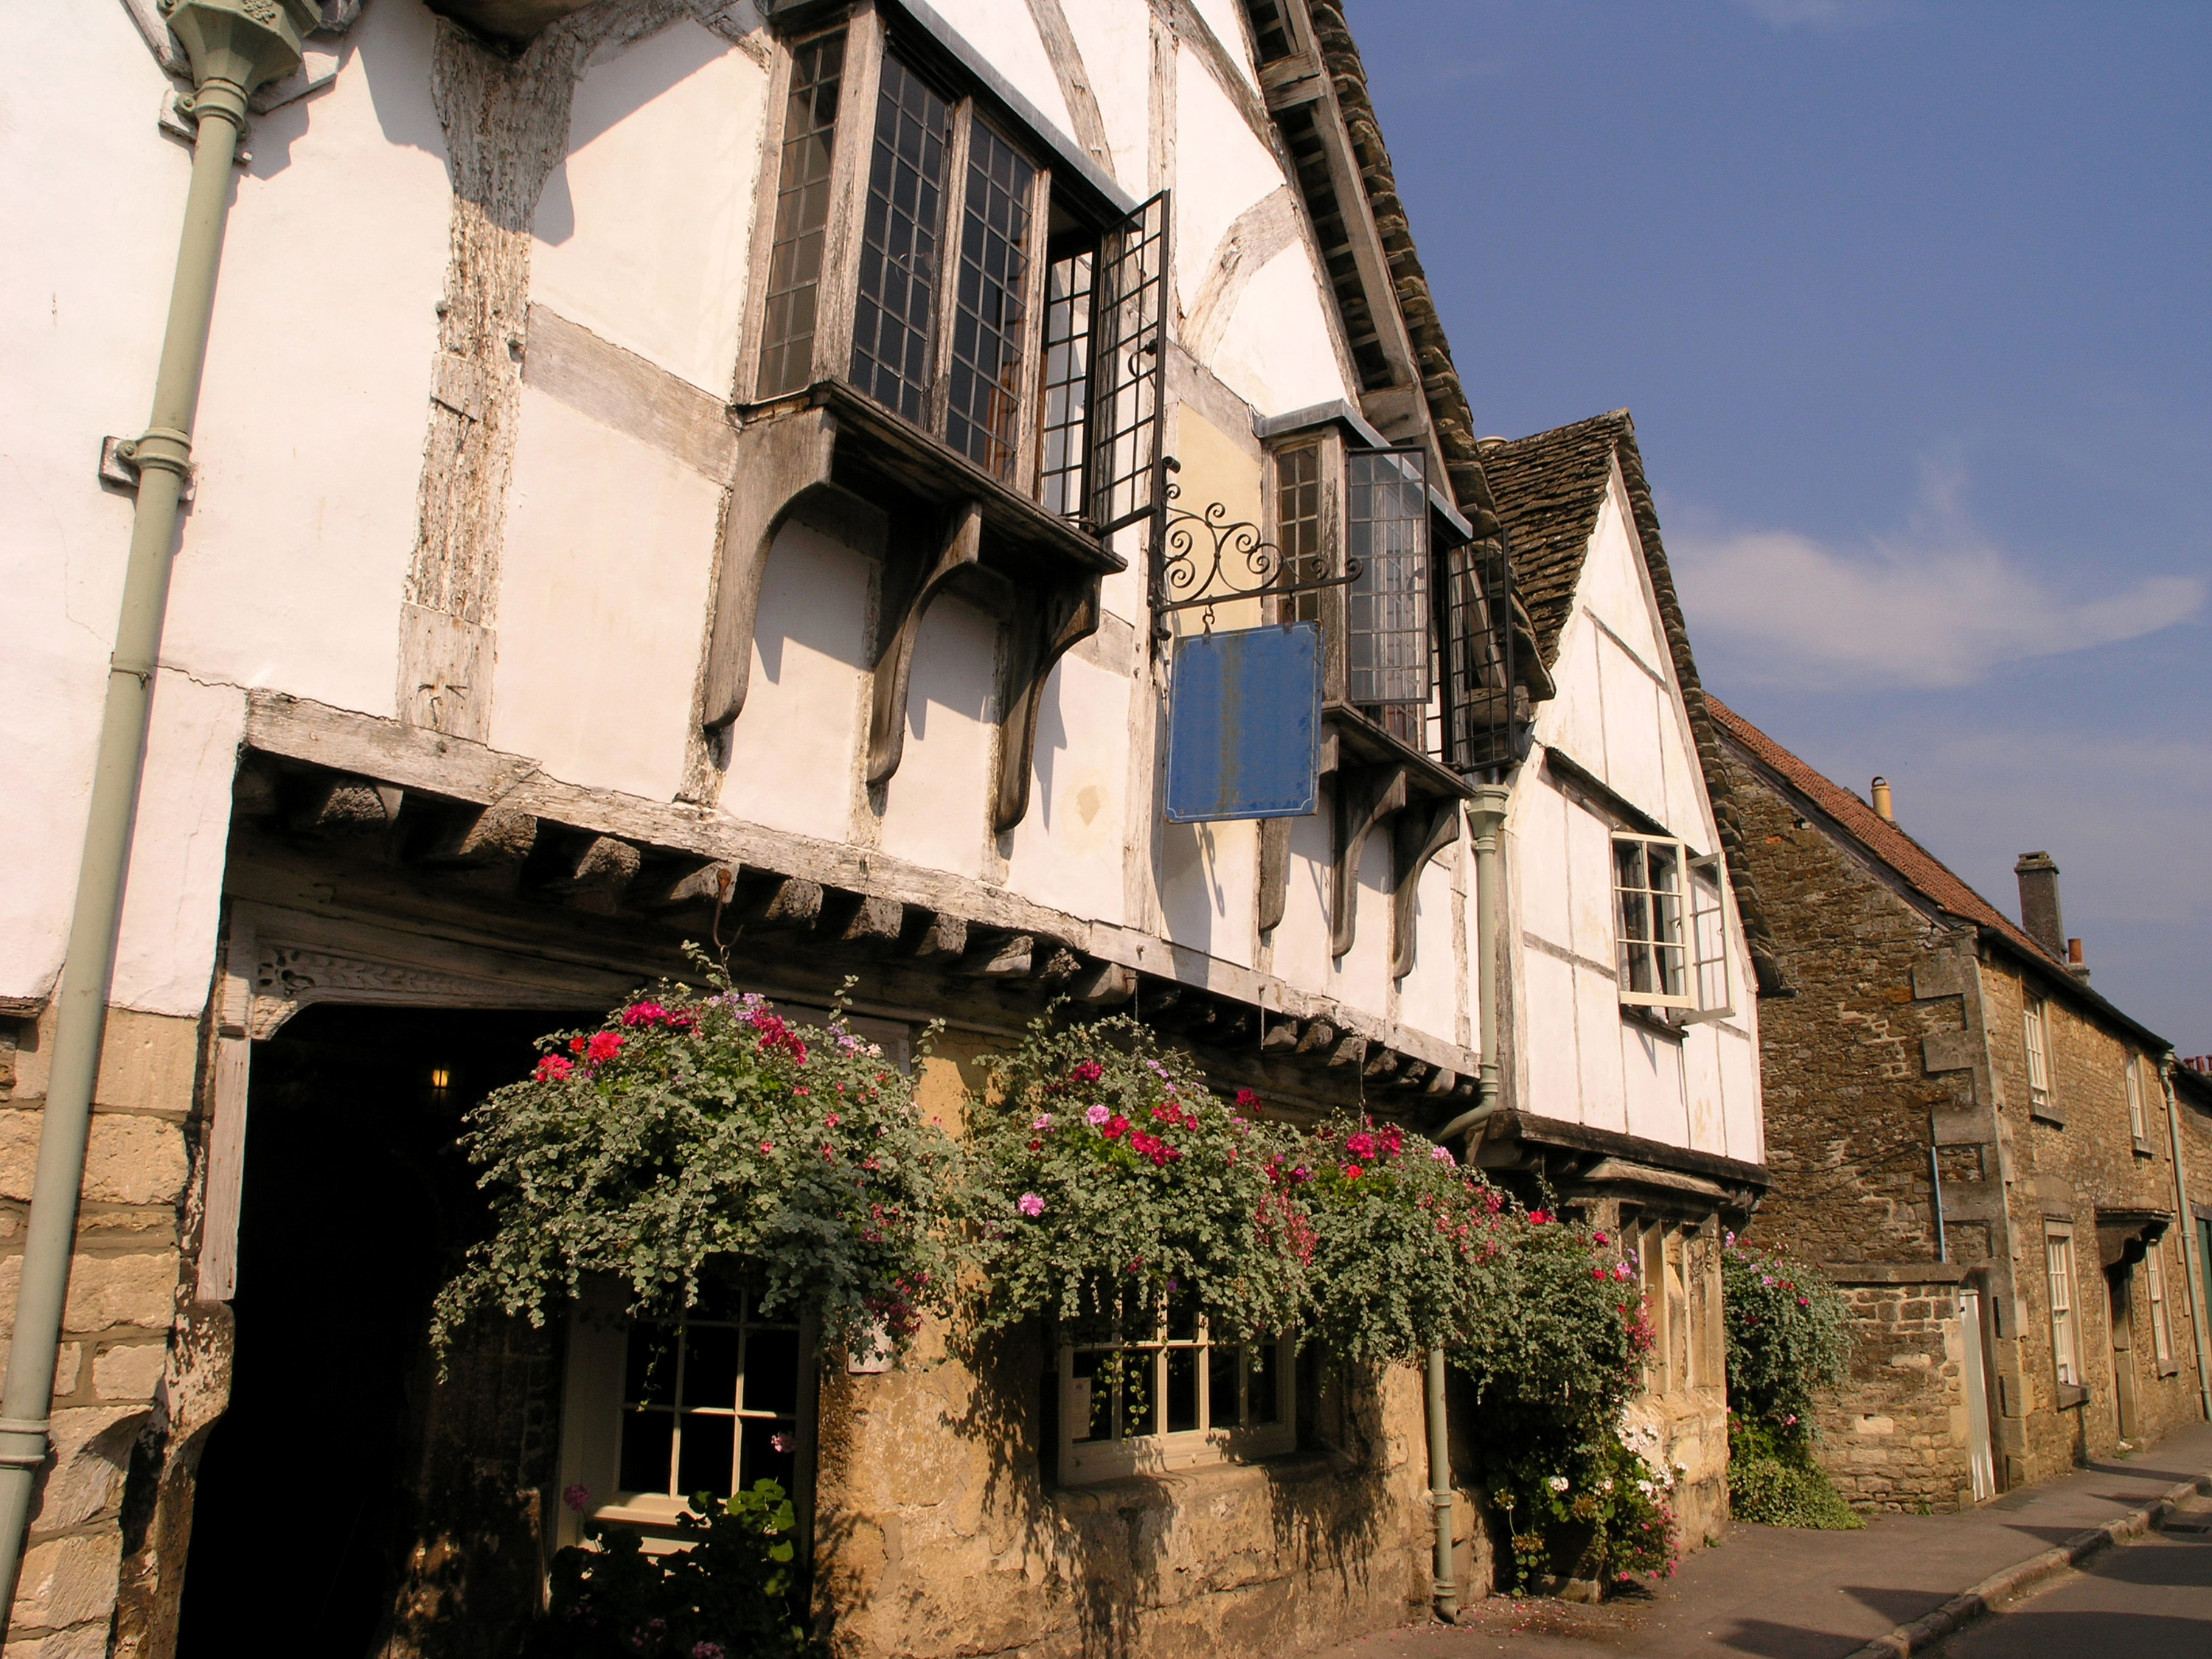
(1976, 1144)
(743, 470)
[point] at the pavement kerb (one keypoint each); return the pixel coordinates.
(1962, 1610)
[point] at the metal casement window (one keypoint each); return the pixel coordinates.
(2036, 1030)
(2161, 1329)
(2135, 1099)
(2058, 1253)
(710, 1404)
(1178, 1400)
(1388, 632)
(908, 260)
(1670, 927)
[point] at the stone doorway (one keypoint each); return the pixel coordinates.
(348, 1504)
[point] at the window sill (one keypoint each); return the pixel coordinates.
(1359, 741)
(1145, 1488)
(1088, 1464)
(1652, 1022)
(2071, 1394)
(2144, 1149)
(2042, 1111)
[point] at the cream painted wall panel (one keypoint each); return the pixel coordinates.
(1068, 851)
(1598, 1048)
(1115, 40)
(1221, 169)
(1546, 1037)
(1275, 352)
(1680, 785)
(165, 950)
(1226, 19)
(1632, 729)
(1006, 33)
(644, 234)
(309, 445)
(602, 593)
(1590, 884)
(1363, 973)
(1537, 851)
(792, 749)
(1209, 879)
(1574, 720)
(1741, 1106)
(1613, 587)
(1651, 1069)
(1428, 998)
(936, 810)
(1701, 1072)
(1301, 940)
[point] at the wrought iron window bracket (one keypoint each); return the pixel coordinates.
(1205, 559)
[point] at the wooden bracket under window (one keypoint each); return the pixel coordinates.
(1365, 797)
(1274, 870)
(956, 556)
(1046, 626)
(776, 462)
(1420, 834)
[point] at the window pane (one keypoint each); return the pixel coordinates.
(1387, 605)
(991, 304)
(649, 1375)
(768, 1449)
(1182, 1318)
(1182, 1389)
(771, 1370)
(1140, 1392)
(1297, 526)
(894, 314)
(1265, 1368)
(1067, 384)
(703, 1460)
(647, 1438)
(1089, 1368)
(1222, 1365)
(710, 1365)
(802, 212)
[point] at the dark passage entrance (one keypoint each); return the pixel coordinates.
(341, 1489)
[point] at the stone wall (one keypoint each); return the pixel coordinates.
(122, 1301)
(1897, 1437)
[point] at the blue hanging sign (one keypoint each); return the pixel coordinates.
(1244, 725)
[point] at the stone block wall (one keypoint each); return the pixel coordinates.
(122, 1304)
(1897, 1438)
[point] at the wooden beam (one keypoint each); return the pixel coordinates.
(1421, 834)
(957, 549)
(1005, 956)
(1274, 872)
(1045, 630)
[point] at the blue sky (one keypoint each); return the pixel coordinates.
(1910, 300)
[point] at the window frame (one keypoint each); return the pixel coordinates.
(1684, 1001)
(2161, 1324)
(2035, 1039)
(2061, 1288)
(2138, 1122)
(1084, 1462)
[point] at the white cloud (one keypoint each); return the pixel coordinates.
(1939, 606)
(1819, 13)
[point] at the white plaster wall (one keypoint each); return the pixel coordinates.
(1226, 19)
(1539, 853)
(1275, 352)
(1742, 1116)
(1633, 732)
(937, 810)
(1362, 975)
(793, 748)
(1574, 720)
(1651, 1070)
(1068, 852)
(1600, 1073)
(1551, 1067)
(1702, 1090)
(1114, 40)
(644, 233)
(1428, 998)
(1007, 35)
(1300, 939)
(602, 587)
(1221, 169)
(1589, 891)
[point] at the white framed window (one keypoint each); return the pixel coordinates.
(2036, 1030)
(1178, 1401)
(2161, 1329)
(2135, 1100)
(1670, 927)
(2065, 1349)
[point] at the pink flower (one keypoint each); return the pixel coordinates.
(576, 1497)
(1539, 1218)
(1360, 1145)
(781, 1442)
(832, 1119)
(767, 1145)
(1442, 1155)
(1043, 1122)
(603, 1046)
(1029, 1205)
(1096, 1115)
(553, 1068)
(1248, 1101)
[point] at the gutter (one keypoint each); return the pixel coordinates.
(235, 45)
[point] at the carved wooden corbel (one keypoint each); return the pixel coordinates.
(1045, 628)
(777, 461)
(1365, 797)
(1419, 834)
(894, 670)
(1274, 872)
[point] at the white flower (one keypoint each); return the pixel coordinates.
(1556, 1483)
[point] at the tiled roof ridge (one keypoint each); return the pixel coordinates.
(1449, 412)
(1887, 842)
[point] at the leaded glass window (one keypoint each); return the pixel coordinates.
(894, 316)
(1066, 424)
(992, 303)
(1387, 606)
(802, 216)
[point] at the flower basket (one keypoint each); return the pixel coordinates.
(697, 1128)
(1106, 1178)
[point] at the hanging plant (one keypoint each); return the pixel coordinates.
(1105, 1177)
(699, 1126)
(1790, 1339)
(1409, 1249)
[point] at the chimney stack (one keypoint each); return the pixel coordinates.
(2038, 873)
(1882, 808)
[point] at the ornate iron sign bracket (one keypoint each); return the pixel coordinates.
(1200, 560)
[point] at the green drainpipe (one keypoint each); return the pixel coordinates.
(1486, 817)
(235, 46)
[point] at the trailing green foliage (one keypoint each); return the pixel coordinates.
(1553, 1355)
(1774, 1481)
(697, 1126)
(1408, 1248)
(1790, 1334)
(732, 1594)
(1105, 1176)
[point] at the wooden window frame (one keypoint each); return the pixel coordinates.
(2062, 1287)
(1084, 1462)
(2035, 1038)
(2161, 1322)
(2138, 1124)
